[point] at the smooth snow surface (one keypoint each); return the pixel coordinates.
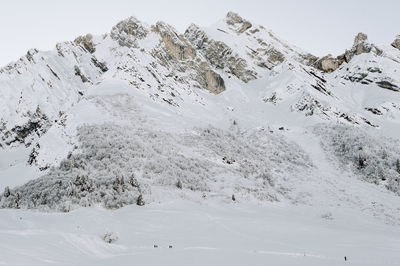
(200, 234)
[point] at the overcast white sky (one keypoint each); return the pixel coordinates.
(317, 26)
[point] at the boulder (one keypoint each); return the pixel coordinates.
(209, 79)
(215, 83)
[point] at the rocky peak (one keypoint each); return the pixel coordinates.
(396, 42)
(128, 31)
(237, 23)
(360, 37)
(360, 46)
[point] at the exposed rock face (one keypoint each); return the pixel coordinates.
(219, 54)
(128, 31)
(275, 56)
(396, 42)
(101, 65)
(30, 54)
(309, 59)
(172, 63)
(176, 44)
(37, 125)
(360, 46)
(178, 54)
(79, 73)
(360, 37)
(327, 63)
(239, 24)
(387, 85)
(215, 83)
(87, 42)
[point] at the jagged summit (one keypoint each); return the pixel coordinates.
(360, 46)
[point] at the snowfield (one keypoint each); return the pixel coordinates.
(219, 146)
(200, 234)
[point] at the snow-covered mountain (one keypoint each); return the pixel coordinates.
(145, 114)
(255, 149)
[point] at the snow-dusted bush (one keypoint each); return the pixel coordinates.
(110, 237)
(117, 165)
(327, 216)
(375, 159)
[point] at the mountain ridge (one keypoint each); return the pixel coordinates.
(234, 104)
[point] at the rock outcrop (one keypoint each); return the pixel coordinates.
(360, 46)
(237, 23)
(360, 37)
(36, 126)
(219, 54)
(179, 48)
(214, 82)
(327, 63)
(396, 42)
(87, 42)
(175, 53)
